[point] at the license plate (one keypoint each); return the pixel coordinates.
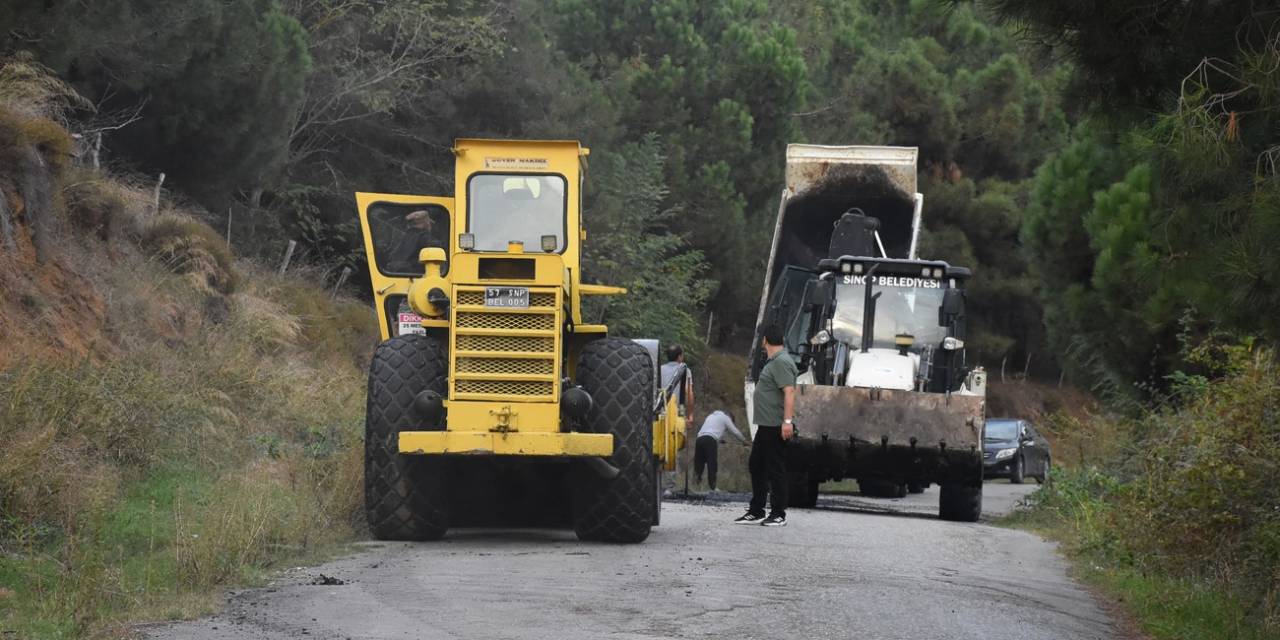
(506, 297)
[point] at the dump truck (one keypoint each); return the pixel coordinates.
(492, 401)
(884, 394)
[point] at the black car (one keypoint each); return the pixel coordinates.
(1014, 448)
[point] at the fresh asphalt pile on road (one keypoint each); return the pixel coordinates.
(838, 571)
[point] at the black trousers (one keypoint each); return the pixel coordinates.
(706, 454)
(768, 468)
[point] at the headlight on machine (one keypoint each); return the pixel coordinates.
(1005, 453)
(821, 337)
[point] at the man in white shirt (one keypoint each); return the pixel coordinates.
(706, 446)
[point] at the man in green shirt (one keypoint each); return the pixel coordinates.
(772, 406)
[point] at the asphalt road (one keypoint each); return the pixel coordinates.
(841, 571)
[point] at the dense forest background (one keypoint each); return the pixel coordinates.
(1107, 171)
(273, 113)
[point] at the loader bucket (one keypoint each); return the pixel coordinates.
(855, 431)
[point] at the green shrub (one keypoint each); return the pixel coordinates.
(1205, 499)
(1193, 498)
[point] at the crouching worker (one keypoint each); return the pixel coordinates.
(772, 406)
(706, 447)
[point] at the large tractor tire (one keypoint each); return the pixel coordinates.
(404, 496)
(960, 502)
(619, 376)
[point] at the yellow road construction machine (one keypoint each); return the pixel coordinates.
(491, 401)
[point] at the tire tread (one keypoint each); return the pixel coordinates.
(618, 374)
(404, 495)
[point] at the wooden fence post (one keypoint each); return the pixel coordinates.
(155, 199)
(288, 255)
(342, 279)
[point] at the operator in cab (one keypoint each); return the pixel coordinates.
(772, 408)
(419, 235)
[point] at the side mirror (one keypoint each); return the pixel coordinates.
(817, 295)
(952, 306)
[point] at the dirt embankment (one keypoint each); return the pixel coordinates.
(173, 418)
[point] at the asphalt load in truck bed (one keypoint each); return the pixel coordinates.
(831, 573)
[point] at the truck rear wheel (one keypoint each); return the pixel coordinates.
(960, 502)
(404, 496)
(619, 376)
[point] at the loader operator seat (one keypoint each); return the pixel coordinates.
(854, 235)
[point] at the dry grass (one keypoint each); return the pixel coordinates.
(190, 247)
(102, 207)
(197, 454)
(172, 421)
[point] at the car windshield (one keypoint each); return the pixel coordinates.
(906, 305)
(1001, 430)
(504, 208)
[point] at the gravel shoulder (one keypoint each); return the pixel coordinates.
(836, 572)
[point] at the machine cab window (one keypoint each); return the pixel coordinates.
(526, 208)
(905, 306)
(400, 231)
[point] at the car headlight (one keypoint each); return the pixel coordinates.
(1005, 453)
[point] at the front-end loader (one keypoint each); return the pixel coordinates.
(491, 402)
(885, 395)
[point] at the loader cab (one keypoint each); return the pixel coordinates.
(520, 198)
(515, 219)
(882, 323)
